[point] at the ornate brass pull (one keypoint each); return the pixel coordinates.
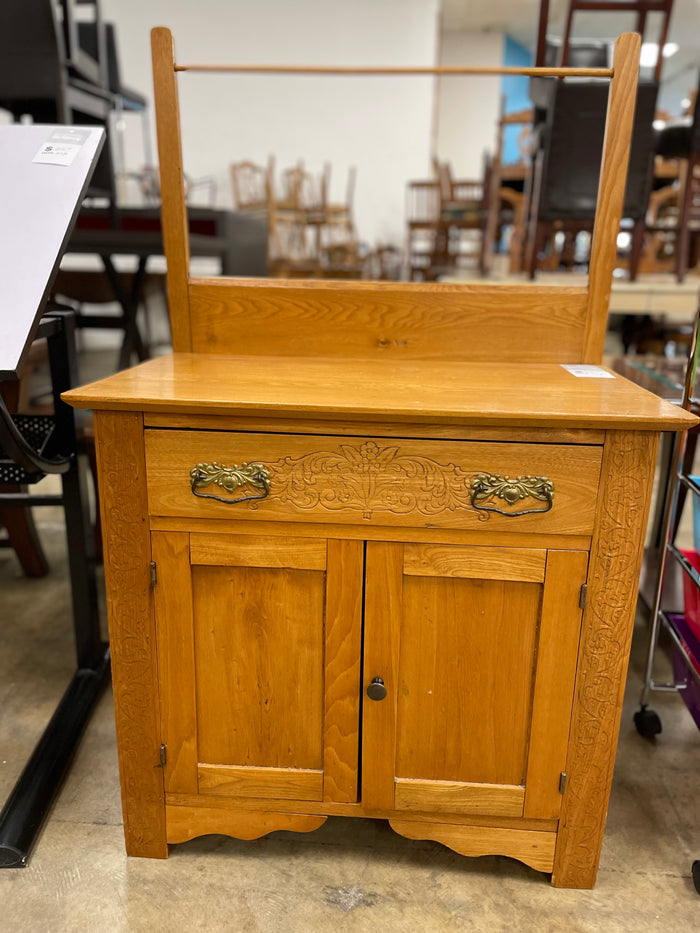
(230, 479)
(486, 485)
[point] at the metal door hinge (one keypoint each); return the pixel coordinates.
(562, 782)
(154, 574)
(163, 756)
(582, 597)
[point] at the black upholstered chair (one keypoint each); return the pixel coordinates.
(569, 122)
(566, 161)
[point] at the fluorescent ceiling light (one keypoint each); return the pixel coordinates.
(650, 52)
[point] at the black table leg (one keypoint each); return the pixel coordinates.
(29, 802)
(129, 301)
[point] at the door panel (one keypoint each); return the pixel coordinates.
(466, 677)
(270, 640)
(477, 648)
(259, 665)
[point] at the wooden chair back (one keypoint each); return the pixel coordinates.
(302, 190)
(338, 214)
(398, 320)
(251, 186)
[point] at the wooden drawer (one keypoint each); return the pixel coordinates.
(381, 481)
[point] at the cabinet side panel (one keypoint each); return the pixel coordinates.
(342, 670)
(127, 556)
(626, 479)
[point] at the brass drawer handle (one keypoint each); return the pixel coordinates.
(486, 485)
(230, 479)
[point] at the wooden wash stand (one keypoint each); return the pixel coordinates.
(372, 551)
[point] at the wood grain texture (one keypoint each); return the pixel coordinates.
(383, 600)
(343, 658)
(484, 563)
(413, 391)
(176, 670)
(465, 679)
(542, 72)
(557, 655)
(259, 665)
(328, 808)
(127, 556)
(388, 320)
(458, 797)
(410, 483)
(619, 122)
(511, 434)
(616, 553)
(478, 537)
(536, 849)
(172, 185)
(257, 551)
(186, 823)
(289, 783)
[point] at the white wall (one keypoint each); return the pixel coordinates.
(381, 125)
(468, 107)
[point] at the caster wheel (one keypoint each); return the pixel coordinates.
(647, 722)
(695, 871)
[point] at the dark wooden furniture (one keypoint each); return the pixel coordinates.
(568, 134)
(641, 7)
(681, 140)
(422, 221)
(45, 73)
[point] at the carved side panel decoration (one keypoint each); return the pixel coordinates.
(127, 556)
(628, 466)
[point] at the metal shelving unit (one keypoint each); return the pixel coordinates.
(646, 720)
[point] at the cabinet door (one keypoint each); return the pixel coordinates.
(477, 648)
(259, 664)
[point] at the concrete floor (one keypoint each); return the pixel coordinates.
(350, 875)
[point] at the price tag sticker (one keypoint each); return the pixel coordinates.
(584, 371)
(62, 146)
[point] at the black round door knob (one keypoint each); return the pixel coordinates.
(376, 690)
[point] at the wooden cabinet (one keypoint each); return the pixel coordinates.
(264, 685)
(391, 621)
(421, 621)
(477, 646)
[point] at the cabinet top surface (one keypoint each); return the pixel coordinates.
(536, 394)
